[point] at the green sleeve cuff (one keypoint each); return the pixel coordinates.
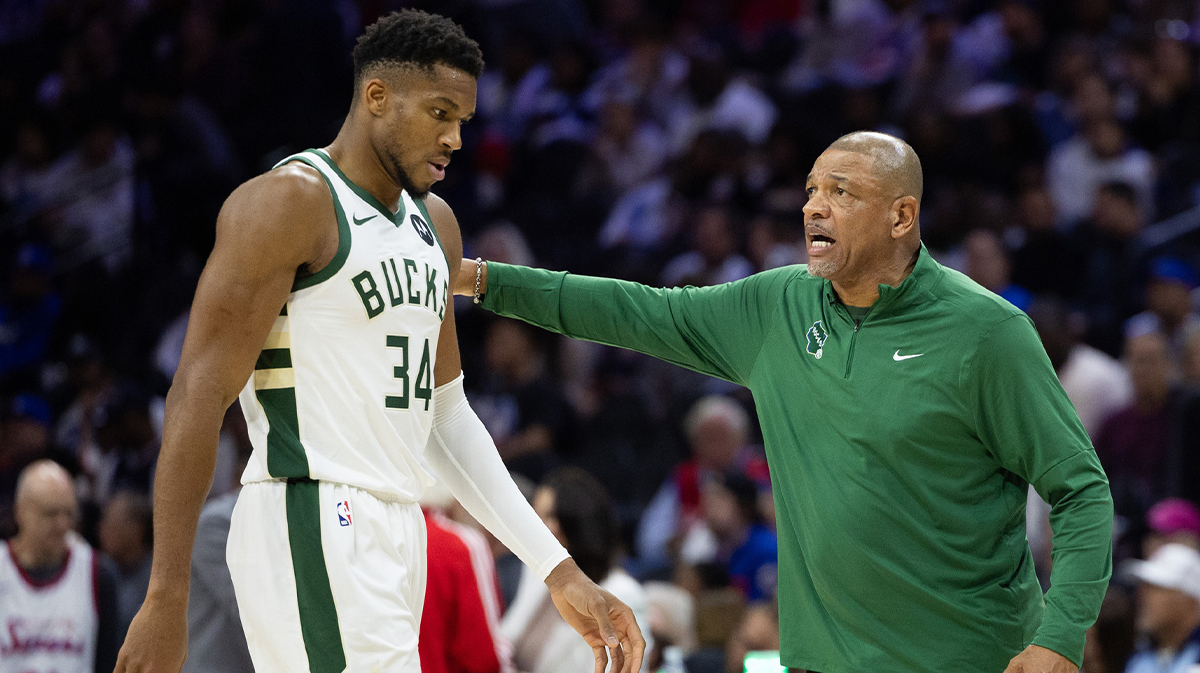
(1068, 645)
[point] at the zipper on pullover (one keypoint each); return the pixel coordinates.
(850, 352)
(853, 338)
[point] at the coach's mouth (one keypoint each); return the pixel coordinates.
(819, 244)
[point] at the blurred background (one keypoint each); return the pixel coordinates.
(659, 141)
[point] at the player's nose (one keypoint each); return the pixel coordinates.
(452, 138)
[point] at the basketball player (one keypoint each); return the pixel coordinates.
(326, 304)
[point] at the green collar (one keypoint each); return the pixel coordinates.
(925, 274)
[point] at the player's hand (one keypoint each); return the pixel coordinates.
(156, 641)
(602, 620)
(1037, 659)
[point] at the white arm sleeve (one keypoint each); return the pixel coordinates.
(465, 458)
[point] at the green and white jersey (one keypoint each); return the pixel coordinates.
(342, 391)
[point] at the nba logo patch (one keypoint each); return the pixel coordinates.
(343, 510)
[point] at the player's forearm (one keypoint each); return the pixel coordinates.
(1081, 518)
(183, 477)
(465, 457)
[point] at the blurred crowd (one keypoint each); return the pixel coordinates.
(663, 141)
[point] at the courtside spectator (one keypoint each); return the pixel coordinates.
(126, 536)
(1168, 610)
(58, 602)
(1110, 641)
(1172, 521)
(713, 258)
(460, 622)
(989, 265)
(1096, 382)
(521, 403)
(1169, 307)
(746, 548)
(717, 430)
(578, 512)
(1132, 443)
(757, 632)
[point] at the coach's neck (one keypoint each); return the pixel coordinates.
(862, 289)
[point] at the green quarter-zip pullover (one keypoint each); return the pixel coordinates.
(900, 453)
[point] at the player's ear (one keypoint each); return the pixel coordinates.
(375, 96)
(904, 215)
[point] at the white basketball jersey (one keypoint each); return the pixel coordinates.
(49, 627)
(342, 391)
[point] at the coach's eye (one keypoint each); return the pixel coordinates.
(810, 190)
(841, 192)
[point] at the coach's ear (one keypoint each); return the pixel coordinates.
(904, 216)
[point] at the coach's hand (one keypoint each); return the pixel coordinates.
(157, 639)
(599, 617)
(1037, 659)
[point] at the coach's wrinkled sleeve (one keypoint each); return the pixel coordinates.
(1026, 419)
(714, 330)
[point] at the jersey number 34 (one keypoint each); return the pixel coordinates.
(423, 388)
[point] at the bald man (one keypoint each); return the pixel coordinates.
(58, 606)
(904, 409)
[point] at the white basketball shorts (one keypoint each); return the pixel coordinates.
(328, 578)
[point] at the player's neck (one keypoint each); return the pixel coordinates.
(351, 150)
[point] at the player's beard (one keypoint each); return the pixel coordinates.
(400, 175)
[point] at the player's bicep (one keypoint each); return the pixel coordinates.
(448, 364)
(245, 284)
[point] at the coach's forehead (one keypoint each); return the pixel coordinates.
(845, 167)
(890, 161)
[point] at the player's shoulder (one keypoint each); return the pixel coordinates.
(294, 186)
(445, 223)
(291, 201)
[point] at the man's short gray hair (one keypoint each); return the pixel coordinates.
(716, 406)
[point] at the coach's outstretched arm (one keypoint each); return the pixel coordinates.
(465, 457)
(715, 330)
(268, 228)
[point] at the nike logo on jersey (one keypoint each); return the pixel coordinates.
(369, 217)
(898, 357)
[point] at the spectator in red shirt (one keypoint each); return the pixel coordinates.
(460, 623)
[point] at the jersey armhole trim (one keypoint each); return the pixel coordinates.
(425, 211)
(343, 249)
